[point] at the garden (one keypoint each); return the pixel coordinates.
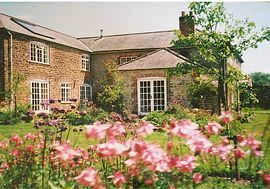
(176, 148)
(104, 146)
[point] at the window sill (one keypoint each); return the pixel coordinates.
(65, 102)
(39, 63)
(86, 70)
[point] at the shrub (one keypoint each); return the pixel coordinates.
(158, 117)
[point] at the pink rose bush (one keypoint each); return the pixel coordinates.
(123, 160)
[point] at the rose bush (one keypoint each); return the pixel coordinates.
(117, 157)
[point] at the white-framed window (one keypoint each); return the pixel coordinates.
(65, 92)
(39, 52)
(124, 60)
(85, 93)
(152, 94)
(86, 64)
(39, 95)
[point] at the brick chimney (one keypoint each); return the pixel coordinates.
(186, 23)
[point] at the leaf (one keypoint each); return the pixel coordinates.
(52, 185)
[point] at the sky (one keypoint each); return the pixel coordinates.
(87, 18)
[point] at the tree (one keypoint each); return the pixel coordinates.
(221, 37)
(261, 87)
(260, 79)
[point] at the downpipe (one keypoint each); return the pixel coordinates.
(10, 69)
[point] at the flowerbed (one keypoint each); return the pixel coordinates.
(120, 154)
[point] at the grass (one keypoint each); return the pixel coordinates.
(258, 127)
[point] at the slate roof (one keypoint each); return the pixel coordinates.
(8, 23)
(161, 58)
(134, 41)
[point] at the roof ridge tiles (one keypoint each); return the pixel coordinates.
(135, 33)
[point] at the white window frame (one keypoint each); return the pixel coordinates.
(151, 79)
(91, 92)
(45, 58)
(85, 62)
(67, 87)
(41, 108)
(123, 60)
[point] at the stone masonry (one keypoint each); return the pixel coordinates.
(64, 66)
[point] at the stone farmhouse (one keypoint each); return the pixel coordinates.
(58, 66)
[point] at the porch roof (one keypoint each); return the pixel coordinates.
(159, 59)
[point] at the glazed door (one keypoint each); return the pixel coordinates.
(151, 95)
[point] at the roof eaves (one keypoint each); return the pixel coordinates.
(46, 40)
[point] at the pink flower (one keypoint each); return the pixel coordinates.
(111, 148)
(30, 136)
(199, 144)
(3, 145)
(14, 153)
(3, 167)
(29, 148)
(225, 117)
(240, 138)
(221, 151)
(239, 153)
(213, 128)
(257, 153)
(118, 179)
(116, 129)
(266, 179)
(251, 143)
(145, 129)
(184, 128)
(65, 152)
(89, 177)
(16, 139)
(186, 164)
(97, 130)
(155, 158)
(197, 178)
(225, 141)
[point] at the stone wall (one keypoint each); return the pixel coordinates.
(176, 87)
(64, 66)
(98, 65)
(2, 65)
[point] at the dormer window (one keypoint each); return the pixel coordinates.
(124, 60)
(39, 53)
(86, 65)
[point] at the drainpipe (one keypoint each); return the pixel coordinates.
(11, 68)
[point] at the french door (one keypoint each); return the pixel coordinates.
(152, 94)
(39, 94)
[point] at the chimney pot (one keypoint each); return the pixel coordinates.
(183, 13)
(101, 30)
(186, 23)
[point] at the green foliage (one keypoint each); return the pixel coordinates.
(158, 117)
(260, 79)
(261, 87)
(212, 47)
(76, 119)
(111, 96)
(198, 92)
(247, 117)
(232, 129)
(9, 117)
(247, 95)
